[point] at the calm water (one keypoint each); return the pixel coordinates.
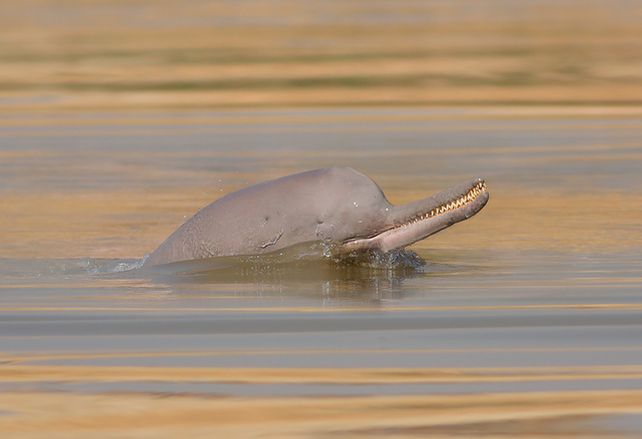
(540, 294)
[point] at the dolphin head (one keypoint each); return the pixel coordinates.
(362, 218)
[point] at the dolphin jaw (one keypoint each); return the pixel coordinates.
(440, 212)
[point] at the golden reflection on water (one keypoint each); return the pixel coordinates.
(139, 415)
(88, 55)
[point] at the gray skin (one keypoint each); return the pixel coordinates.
(339, 206)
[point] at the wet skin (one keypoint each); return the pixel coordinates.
(339, 206)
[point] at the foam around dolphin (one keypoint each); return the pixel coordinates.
(339, 206)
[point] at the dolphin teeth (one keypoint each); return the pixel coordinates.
(457, 203)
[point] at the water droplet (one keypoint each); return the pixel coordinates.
(355, 204)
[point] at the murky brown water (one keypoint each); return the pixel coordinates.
(118, 120)
(529, 315)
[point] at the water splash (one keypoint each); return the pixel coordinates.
(316, 260)
(113, 266)
(55, 268)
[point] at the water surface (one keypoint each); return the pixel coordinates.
(534, 304)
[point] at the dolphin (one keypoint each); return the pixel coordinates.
(338, 206)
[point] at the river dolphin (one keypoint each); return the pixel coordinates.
(339, 206)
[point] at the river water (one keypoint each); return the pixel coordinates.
(528, 315)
